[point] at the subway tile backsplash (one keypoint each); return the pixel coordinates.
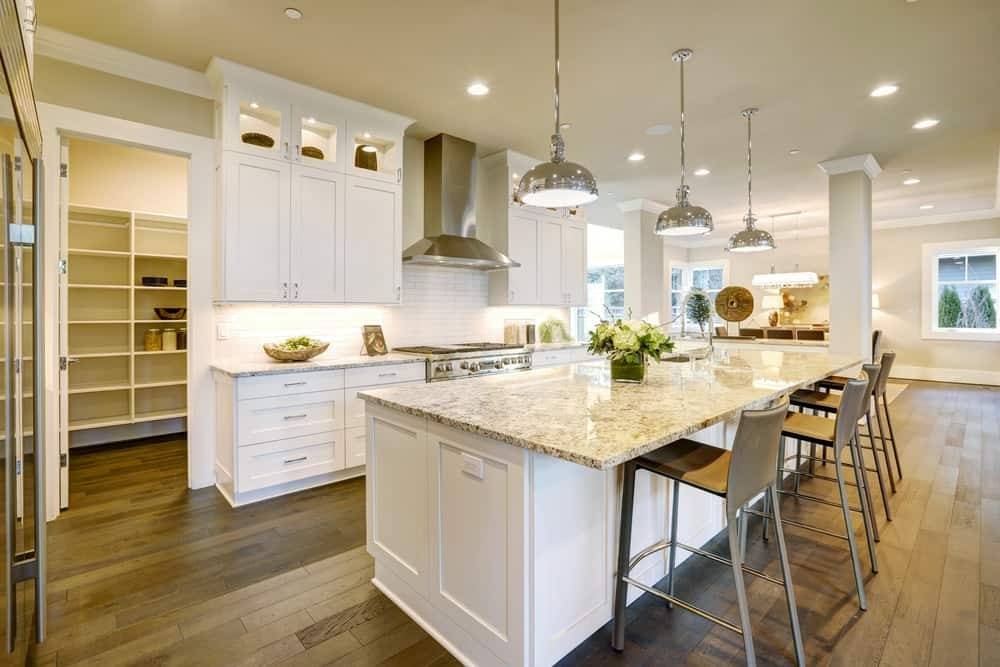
(440, 305)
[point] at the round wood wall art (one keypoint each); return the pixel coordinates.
(734, 304)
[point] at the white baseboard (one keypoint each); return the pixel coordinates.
(960, 375)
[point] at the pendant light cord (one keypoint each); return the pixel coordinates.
(557, 67)
(748, 114)
(682, 124)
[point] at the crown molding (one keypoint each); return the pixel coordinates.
(66, 47)
(866, 163)
(647, 205)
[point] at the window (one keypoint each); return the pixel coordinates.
(605, 280)
(960, 290)
(710, 277)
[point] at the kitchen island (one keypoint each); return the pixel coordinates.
(492, 503)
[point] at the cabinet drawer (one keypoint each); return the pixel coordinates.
(567, 355)
(289, 460)
(355, 446)
(388, 374)
(288, 384)
(280, 417)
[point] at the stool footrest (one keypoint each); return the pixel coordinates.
(816, 499)
(708, 616)
(806, 526)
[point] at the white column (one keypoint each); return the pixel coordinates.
(850, 186)
(645, 289)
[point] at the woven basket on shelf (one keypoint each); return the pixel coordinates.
(305, 354)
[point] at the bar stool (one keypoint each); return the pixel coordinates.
(837, 434)
(827, 403)
(737, 476)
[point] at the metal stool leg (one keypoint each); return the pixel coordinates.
(865, 500)
(885, 446)
(848, 524)
(892, 435)
(878, 468)
(675, 502)
(741, 591)
(624, 546)
(786, 572)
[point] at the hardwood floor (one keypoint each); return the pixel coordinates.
(145, 572)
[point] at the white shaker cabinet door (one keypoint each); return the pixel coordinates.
(256, 228)
(317, 231)
(574, 243)
(372, 254)
(550, 265)
(522, 247)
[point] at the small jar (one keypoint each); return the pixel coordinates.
(169, 340)
(153, 340)
(182, 339)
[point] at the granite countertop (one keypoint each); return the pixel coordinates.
(576, 413)
(247, 367)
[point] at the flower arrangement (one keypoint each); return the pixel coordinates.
(629, 344)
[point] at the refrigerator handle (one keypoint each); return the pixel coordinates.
(40, 360)
(10, 501)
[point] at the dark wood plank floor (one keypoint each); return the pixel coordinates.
(145, 572)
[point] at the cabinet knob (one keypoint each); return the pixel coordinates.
(295, 286)
(284, 290)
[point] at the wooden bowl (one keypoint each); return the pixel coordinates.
(257, 139)
(305, 354)
(170, 313)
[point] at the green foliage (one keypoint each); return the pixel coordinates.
(699, 308)
(553, 330)
(298, 343)
(629, 341)
(949, 308)
(979, 311)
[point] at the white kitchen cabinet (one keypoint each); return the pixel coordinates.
(283, 432)
(316, 215)
(255, 228)
(317, 236)
(557, 357)
(574, 263)
(373, 238)
(550, 269)
(522, 246)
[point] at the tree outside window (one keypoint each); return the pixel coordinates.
(966, 291)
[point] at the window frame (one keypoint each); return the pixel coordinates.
(687, 274)
(930, 253)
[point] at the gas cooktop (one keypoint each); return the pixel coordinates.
(451, 362)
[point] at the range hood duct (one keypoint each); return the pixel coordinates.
(450, 210)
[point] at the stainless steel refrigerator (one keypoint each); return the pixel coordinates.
(22, 502)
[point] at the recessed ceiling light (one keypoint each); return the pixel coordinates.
(702, 172)
(478, 89)
(565, 126)
(636, 157)
(310, 120)
(926, 207)
(884, 90)
(368, 149)
(911, 181)
(907, 171)
(659, 129)
(254, 105)
(367, 135)
(795, 151)
(925, 123)
(293, 13)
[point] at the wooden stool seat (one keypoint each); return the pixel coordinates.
(811, 428)
(702, 466)
(817, 400)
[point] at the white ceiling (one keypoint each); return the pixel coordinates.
(808, 65)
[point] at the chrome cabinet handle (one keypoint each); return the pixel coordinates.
(399, 292)
(387, 375)
(287, 156)
(298, 153)
(399, 175)
(295, 286)
(300, 383)
(511, 295)
(289, 417)
(297, 459)
(284, 290)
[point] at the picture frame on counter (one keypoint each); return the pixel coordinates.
(374, 340)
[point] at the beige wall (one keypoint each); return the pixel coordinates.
(121, 177)
(897, 278)
(68, 85)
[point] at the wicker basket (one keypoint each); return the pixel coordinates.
(305, 354)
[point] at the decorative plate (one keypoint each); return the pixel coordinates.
(257, 139)
(734, 303)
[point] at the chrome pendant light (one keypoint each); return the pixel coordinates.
(750, 239)
(683, 219)
(557, 183)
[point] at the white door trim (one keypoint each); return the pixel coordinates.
(57, 121)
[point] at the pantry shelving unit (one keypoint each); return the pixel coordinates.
(114, 381)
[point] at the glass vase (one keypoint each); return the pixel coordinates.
(624, 371)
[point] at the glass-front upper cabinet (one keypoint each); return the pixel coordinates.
(374, 151)
(318, 137)
(256, 122)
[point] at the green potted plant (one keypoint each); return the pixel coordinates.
(699, 309)
(629, 345)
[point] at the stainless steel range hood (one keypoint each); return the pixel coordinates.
(450, 210)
